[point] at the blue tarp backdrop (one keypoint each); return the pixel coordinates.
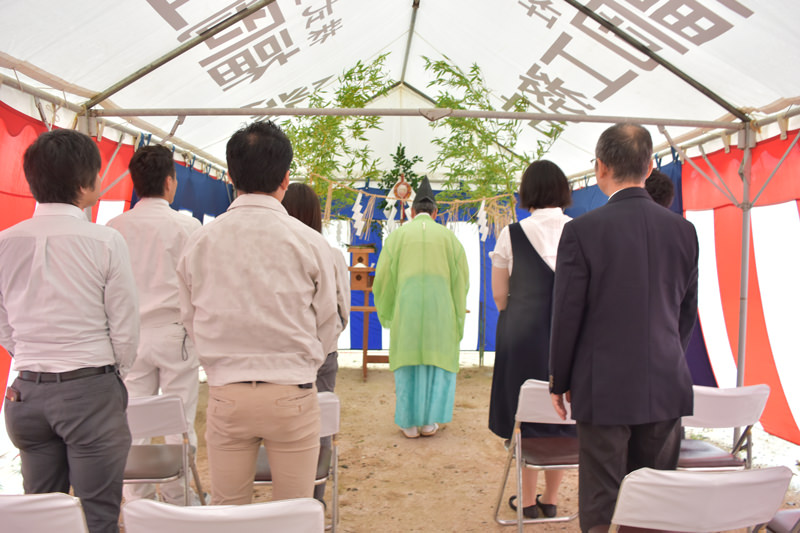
(202, 195)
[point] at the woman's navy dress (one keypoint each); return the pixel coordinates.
(523, 339)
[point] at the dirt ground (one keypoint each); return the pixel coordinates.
(447, 482)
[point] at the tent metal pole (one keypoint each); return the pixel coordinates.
(746, 206)
(745, 174)
(414, 9)
(432, 114)
(169, 56)
(660, 60)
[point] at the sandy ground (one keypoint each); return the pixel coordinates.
(447, 482)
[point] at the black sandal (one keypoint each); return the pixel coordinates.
(531, 511)
(549, 510)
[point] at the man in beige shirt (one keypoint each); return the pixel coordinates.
(258, 296)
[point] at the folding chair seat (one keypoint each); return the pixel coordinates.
(722, 408)
(785, 521)
(674, 500)
(541, 453)
(158, 416)
(34, 513)
(328, 462)
(303, 515)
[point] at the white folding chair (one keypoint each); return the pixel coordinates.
(738, 407)
(158, 416)
(34, 513)
(675, 500)
(541, 453)
(328, 462)
(304, 515)
(785, 521)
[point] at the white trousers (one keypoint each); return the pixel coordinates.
(166, 362)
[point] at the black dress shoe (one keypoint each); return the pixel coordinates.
(531, 511)
(548, 510)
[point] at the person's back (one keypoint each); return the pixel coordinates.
(158, 233)
(38, 256)
(645, 259)
(269, 245)
(258, 296)
(427, 268)
(625, 302)
(420, 289)
(69, 318)
(167, 361)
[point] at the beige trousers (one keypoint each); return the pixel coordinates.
(239, 417)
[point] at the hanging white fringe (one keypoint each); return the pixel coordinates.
(358, 217)
(483, 221)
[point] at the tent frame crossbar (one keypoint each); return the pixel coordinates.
(432, 114)
(205, 158)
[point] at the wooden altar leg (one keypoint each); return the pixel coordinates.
(365, 345)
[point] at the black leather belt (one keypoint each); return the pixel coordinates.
(302, 385)
(58, 377)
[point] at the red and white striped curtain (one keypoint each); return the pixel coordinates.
(773, 321)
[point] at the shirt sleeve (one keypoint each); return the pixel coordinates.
(122, 305)
(324, 300)
(6, 337)
(688, 310)
(342, 287)
(185, 296)
(384, 286)
(501, 256)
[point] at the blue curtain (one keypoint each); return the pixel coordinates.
(198, 193)
(204, 195)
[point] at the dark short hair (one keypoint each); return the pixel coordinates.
(544, 185)
(59, 163)
(425, 206)
(302, 203)
(150, 167)
(258, 157)
(626, 149)
(660, 187)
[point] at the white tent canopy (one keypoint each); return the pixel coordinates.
(550, 52)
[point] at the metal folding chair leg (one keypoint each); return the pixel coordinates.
(515, 450)
(196, 475)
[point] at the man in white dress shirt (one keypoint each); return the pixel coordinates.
(258, 296)
(166, 358)
(69, 317)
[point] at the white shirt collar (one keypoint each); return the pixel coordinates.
(153, 200)
(257, 200)
(547, 212)
(55, 209)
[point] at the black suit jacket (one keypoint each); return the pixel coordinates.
(625, 303)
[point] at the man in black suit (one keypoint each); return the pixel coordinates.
(625, 303)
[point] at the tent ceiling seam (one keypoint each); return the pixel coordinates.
(407, 112)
